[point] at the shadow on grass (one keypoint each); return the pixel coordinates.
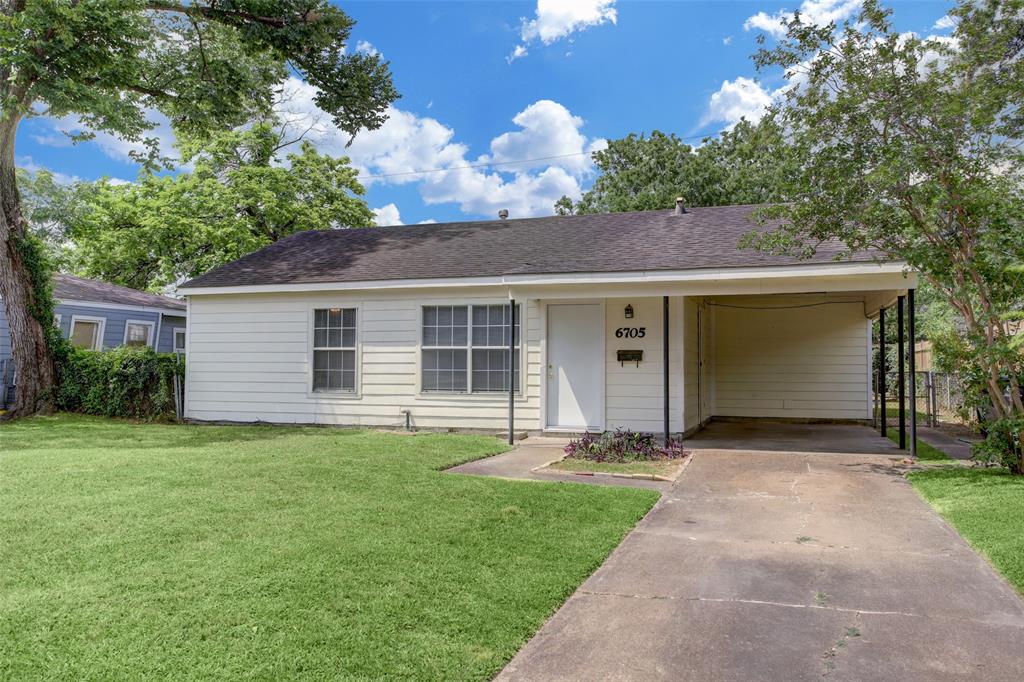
(72, 431)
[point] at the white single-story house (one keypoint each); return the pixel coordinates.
(410, 324)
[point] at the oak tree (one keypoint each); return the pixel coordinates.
(206, 65)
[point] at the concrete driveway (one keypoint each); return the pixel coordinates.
(781, 565)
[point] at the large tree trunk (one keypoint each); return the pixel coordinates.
(33, 361)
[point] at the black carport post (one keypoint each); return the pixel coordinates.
(902, 392)
(664, 353)
(913, 374)
(881, 371)
(511, 370)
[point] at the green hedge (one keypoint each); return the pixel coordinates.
(122, 382)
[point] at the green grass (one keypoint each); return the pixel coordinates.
(134, 551)
(894, 413)
(660, 468)
(925, 451)
(984, 505)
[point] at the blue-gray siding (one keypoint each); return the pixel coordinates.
(113, 332)
(165, 344)
(5, 335)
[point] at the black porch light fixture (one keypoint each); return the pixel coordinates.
(629, 312)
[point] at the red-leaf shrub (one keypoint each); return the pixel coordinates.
(624, 446)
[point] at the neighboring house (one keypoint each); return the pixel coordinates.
(374, 326)
(97, 315)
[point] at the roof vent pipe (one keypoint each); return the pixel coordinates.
(680, 208)
(503, 213)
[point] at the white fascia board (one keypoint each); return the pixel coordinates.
(121, 306)
(653, 276)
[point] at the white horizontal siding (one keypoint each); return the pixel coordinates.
(634, 396)
(249, 360)
(808, 362)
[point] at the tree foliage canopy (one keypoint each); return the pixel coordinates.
(912, 147)
(244, 191)
(205, 64)
(746, 165)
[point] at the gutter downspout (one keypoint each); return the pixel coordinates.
(156, 334)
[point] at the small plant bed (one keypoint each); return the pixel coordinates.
(624, 453)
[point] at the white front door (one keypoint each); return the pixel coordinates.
(575, 367)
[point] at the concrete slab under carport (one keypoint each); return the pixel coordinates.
(777, 436)
(779, 563)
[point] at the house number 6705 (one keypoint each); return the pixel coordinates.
(631, 332)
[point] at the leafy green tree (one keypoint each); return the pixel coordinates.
(913, 147)
(206, 64)
(50, 206)
(745, 165)
(245, 191)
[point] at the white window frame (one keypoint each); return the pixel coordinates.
(469, 348)
(102, 321)
(141, 323)
(334, 394)
(174, 341)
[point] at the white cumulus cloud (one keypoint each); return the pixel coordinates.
(736, 99)
(387, 215)
(817, 12)
(548, 130)
(944, 23)
(366, 47)
(557, 19)
(407, 144)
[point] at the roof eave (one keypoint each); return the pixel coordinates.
(649, 276)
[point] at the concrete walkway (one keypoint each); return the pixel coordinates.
(535, 452)
(954, 446)
(761, 565)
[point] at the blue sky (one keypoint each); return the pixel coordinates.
(485, 82)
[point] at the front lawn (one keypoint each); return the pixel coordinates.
(984, 505)
(173, 552)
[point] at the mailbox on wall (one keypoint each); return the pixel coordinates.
(624, 356)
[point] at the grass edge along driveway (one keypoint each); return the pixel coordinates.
(984, 505)
(187, 552)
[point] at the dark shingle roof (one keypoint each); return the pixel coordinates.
(613, 242)
(70, 288)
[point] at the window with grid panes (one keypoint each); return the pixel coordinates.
(465, 349)
(334, 349)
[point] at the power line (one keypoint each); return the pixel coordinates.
(494, 164)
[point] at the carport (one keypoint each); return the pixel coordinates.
(800, 361)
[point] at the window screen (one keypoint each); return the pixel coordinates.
(137, 335)
(85, 334)
(334, 349)
(465, 349)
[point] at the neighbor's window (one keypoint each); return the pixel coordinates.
(179, 341)
(138, 334)
(86, 334)
(465, 349)
(334, 349)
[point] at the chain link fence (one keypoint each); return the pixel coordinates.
(939, 398)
